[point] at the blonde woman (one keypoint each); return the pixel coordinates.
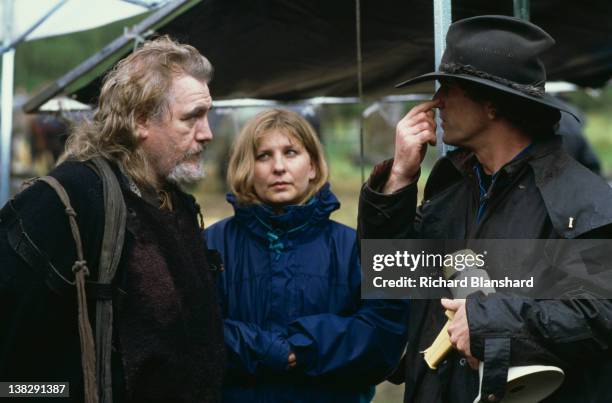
(295, 327)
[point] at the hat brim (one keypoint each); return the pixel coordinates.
(546, 100)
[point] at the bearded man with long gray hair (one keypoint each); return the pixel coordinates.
(166, 343)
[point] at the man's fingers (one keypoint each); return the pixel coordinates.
(413, 129)
(451, 304)
(419, 118)
(424, 107)
(473, 362)
(426, 125)
(413, 133)
(452, 337)
(427, 137)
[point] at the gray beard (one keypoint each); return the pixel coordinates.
(185, 173)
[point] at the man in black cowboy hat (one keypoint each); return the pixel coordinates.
(508, 179)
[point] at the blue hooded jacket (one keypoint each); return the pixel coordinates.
(292, 284)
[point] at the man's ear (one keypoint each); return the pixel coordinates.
(142, 128)
(491, 110)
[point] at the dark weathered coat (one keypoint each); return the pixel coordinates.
(532, 197)
(167, 333)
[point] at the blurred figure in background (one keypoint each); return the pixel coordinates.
(48, 137)
(574, 141)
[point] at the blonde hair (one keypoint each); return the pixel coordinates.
(242, 160)
(135, 90)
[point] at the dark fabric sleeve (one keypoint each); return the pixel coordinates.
(563, 332)
(398, 375)
(383, 216)
(38, 299)
(506, 332)
(42, 221)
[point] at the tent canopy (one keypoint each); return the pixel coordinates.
(70, 16)
(288, 50)
(29, 19)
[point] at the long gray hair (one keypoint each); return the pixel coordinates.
(135, 90)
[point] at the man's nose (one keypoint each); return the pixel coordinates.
(439, 96)
(203, 131)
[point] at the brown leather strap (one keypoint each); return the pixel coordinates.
(96, 291)
(115, 214)
(80, 270)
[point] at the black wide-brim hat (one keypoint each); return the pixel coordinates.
(499, 52)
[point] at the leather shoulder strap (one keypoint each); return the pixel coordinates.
(88, 359)
(115, 214)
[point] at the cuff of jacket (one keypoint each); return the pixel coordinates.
(384, 204)
(495, 369)
(380, 175)
(497, 316)
(489, 317)
(300, 346)
(489, 343)
(277, 356)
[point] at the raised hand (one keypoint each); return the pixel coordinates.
(412, 134)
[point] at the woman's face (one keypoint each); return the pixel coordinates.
(283, 170)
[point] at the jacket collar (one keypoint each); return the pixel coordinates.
(262, 220)
(579, 208)
(464, 160)
(577, 201)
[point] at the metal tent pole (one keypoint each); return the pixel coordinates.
(442, 20)
(8, 71)
(360, 87)
(521, 9)
(24, 35)
(6, 113)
